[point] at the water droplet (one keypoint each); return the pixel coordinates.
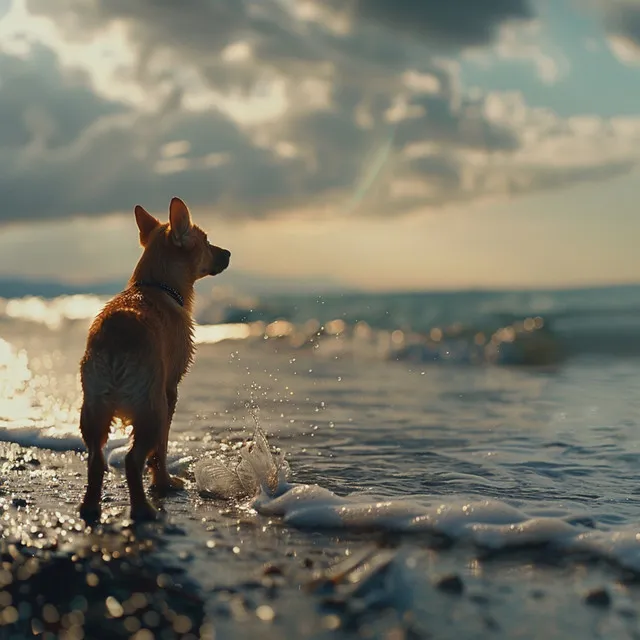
(265, 613)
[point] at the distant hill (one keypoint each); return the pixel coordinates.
(258, 285)
(242, 282)
(17, 288)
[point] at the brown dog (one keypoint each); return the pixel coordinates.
(139, 348)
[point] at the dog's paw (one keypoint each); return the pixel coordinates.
(90, 513)
(144, 513)
(169, 484)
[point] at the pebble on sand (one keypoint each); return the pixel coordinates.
(451, 584)
(598, 597)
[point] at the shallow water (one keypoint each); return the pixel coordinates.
(489, 456)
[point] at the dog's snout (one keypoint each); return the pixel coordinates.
(221, 258)
(224, 257)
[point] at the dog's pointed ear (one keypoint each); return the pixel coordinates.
(180, 222)
(146, 224)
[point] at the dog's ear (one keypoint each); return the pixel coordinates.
(146, 224)
(180, 222)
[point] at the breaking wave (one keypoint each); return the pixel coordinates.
(525, 328)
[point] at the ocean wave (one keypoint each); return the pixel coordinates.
(522, 343)
(261, 477)
(464, 328)
(503, 328)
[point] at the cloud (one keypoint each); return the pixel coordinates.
(526, 43)
(456, 23)
(622, 20)
(117, 160)
(257, 108)
(40, 105)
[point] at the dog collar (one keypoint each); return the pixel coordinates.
(166, 288)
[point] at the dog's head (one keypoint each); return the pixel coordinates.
(181, 242)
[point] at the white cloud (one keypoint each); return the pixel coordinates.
(625, 49)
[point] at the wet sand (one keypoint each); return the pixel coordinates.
(213, 570)
(203, 571)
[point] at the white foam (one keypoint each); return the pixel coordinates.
(486, 523)
(116, 450)
(621, 547)
(37, 437)
(52, 439)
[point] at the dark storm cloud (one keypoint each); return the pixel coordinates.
(462, 125)
(284, 39)
(95, 156)
(40, 103)
(196, 31)
(349, 132)
(117, 161)
(458, 23)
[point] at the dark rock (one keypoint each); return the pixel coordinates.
(598, 597)
(272, 570)
(19, 502)
(451, 584)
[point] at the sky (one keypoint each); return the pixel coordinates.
(376, 144)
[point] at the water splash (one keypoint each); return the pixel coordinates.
(257, 470)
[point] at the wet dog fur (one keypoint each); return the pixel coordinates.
(138, 349)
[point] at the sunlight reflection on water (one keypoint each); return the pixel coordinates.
(54, 312)
(39, 391)
(32, 394)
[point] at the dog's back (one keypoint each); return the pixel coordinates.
(136, 347)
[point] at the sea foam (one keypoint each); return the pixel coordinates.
(262, 479)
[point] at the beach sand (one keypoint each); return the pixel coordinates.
(215, 570)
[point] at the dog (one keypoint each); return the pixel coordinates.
(138, 349)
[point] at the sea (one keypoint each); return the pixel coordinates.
(485, 443)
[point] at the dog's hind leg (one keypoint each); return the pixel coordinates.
(147, 433)
(162, 481)
(95, 421)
